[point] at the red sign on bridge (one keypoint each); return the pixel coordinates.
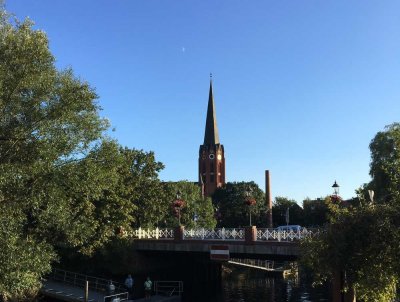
(219, 252)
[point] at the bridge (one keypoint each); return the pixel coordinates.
(249, 242)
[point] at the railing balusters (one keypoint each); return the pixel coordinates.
(223, 234)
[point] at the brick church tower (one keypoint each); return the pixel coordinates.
(211, 153)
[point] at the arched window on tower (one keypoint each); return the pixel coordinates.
(212, 167)
(220, 172)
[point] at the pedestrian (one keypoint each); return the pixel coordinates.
(111, 288)
(129, 285)
(147, 288)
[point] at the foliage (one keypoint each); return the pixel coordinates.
(197, 212)
(362, 242)
(146, 190)
(64, 187)
(315, 212)
(23, 260)
(279, 207)
(230, 200)
(385, 163)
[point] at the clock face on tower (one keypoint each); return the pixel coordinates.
(211, 156)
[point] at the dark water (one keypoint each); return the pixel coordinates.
(240, 284)
(249, 285)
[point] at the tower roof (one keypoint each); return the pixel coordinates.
(211, 136)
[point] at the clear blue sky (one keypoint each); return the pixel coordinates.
(301, 87)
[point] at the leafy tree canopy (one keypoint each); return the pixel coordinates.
(230, 200)
(315, 212)
(63, 184)
(360, 242)
(385, 163)
(361, 238)
(279, 208)
(196, 212)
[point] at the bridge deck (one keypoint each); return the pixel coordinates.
(270, 249)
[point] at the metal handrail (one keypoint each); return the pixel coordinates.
(117, 297)
(77, 279)
(168, 288)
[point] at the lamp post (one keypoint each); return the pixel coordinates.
(335, 196)
(335, 187)
(217, 215)
(249, 200)
(178, 204)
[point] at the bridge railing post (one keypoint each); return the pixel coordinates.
(250, 234)
(178, 234)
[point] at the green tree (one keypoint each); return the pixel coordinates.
(385, 163)
(23, 259)
(230, 200)
(361, 239)
(361, 243)
(279, 208)
(62, 184)
(197, 211)
(315, 212)
(145, 189)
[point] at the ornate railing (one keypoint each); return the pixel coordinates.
(226, 234)
(214, 234)
(278, 235)
(152, 233)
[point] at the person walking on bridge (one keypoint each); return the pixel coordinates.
(147, 288)
(129, 285)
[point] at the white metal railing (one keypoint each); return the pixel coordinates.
(116, 298)
(168, 288)
(214, 234)
(237, 234)
(79, 280)
(280, 235)
(152, 233)
(268, 264)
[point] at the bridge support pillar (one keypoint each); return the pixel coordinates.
(250, 234)
(337, 289)
(178, 234)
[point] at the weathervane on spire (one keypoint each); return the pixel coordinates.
(210, 76)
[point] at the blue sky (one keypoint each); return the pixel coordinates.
(301, 86)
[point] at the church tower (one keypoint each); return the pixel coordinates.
(211, 153)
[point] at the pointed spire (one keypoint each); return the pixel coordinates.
(211, 136)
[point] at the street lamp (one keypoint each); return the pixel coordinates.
(178, 204)
(335, 187)
(249, 200)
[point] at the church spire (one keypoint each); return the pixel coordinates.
(211, 153)
(211, 136)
